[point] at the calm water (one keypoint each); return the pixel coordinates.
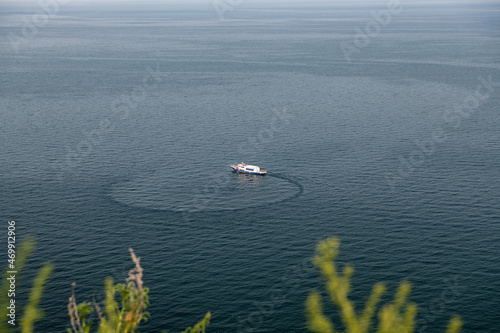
(118, 127)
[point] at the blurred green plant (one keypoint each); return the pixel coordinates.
(124, 315)
(31, 311)
(395, 317)
(125, 303)
(200, 327)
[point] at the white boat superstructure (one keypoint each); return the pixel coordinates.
(247, 168)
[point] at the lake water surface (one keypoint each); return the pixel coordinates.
(118, 126)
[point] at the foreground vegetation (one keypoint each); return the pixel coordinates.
(396, 317)
(124, 306)
(125, 315)
(124, 303)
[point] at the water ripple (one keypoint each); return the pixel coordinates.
(219, 191)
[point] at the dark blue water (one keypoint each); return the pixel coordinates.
(118, 125)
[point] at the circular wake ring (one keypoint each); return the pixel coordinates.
(236, 192)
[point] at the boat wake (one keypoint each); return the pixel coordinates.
(197, 193)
